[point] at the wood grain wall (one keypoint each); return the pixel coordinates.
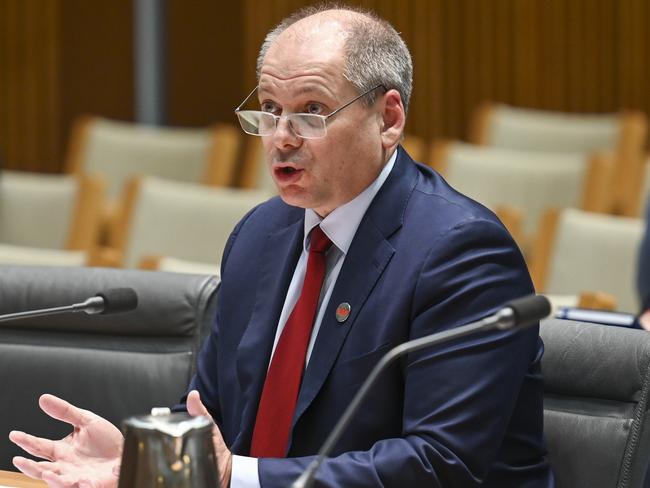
(60, 58)
(29, 83)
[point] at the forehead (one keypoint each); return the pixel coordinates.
(308, 56)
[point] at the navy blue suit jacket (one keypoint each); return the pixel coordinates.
(424, 259)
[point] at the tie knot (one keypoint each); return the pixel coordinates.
(320, 243)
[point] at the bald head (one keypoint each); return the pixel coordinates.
(373, 52)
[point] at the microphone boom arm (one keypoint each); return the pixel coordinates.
(504, 319)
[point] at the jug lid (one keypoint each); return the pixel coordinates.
(173, 424)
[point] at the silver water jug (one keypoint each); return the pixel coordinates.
(168, 451)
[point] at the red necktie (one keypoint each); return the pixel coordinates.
(280, 392)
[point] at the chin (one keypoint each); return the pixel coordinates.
(290, 198)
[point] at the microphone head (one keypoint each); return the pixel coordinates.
(118, 300)
(530, 309)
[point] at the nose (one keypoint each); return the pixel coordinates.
(284, 135)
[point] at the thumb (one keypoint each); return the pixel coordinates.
(194, 405)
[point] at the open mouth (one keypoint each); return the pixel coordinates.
(287, 174)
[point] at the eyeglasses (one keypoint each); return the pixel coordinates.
(306, 126)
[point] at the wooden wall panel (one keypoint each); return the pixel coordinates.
(96, 60)
(60, 59)
(29, 84)
(571, 55)
(205, 61)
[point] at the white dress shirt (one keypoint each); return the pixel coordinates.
(340, 226)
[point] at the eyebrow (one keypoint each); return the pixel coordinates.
(306, 89)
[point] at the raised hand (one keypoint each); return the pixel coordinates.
(224, 457)
(87, 458)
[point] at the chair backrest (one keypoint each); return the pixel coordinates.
(49, 211)
(645, 188)
(540, 130)
(622, 133)
(596, 385)
(529, 181)
(579, 251)
(181, 220)
(120, 150)
(115, 365)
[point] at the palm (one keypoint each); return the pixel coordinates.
(98, 439)
(89, 456)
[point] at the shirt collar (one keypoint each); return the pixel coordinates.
(341, 224)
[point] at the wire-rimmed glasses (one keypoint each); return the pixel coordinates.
(304, 125)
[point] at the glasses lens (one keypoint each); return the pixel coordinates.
(308, 126)
(256, 123)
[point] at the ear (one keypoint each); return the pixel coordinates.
(393, 119)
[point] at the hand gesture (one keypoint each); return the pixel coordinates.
(224, 457)
(87, 458)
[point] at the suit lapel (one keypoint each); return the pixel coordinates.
(358, 276)
(280, 255)
(368, 256)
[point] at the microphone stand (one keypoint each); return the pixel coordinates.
(91, 306)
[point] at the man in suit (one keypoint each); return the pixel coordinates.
(363, 250)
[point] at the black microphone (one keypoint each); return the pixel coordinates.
(114, 300)
(518, 313)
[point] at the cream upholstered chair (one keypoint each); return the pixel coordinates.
(121, 150)
(180, 220)
(507, 179)
(577, 251)
(48, 219)
(645, 188)
(538, 130)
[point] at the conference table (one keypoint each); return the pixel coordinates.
(19, 480)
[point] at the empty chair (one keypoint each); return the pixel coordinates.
(180, 220)
(528, 181)
(577, 251)
(121, 150)
(538, 130)
(596, 386)
(48, 219)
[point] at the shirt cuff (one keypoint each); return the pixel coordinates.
(244, 472)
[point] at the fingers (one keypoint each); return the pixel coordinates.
(57, 480)
(66, 412)
(31, 468)
(36, 446)
(194, 405)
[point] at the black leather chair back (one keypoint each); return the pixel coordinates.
(115, 365)
(596, 379)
